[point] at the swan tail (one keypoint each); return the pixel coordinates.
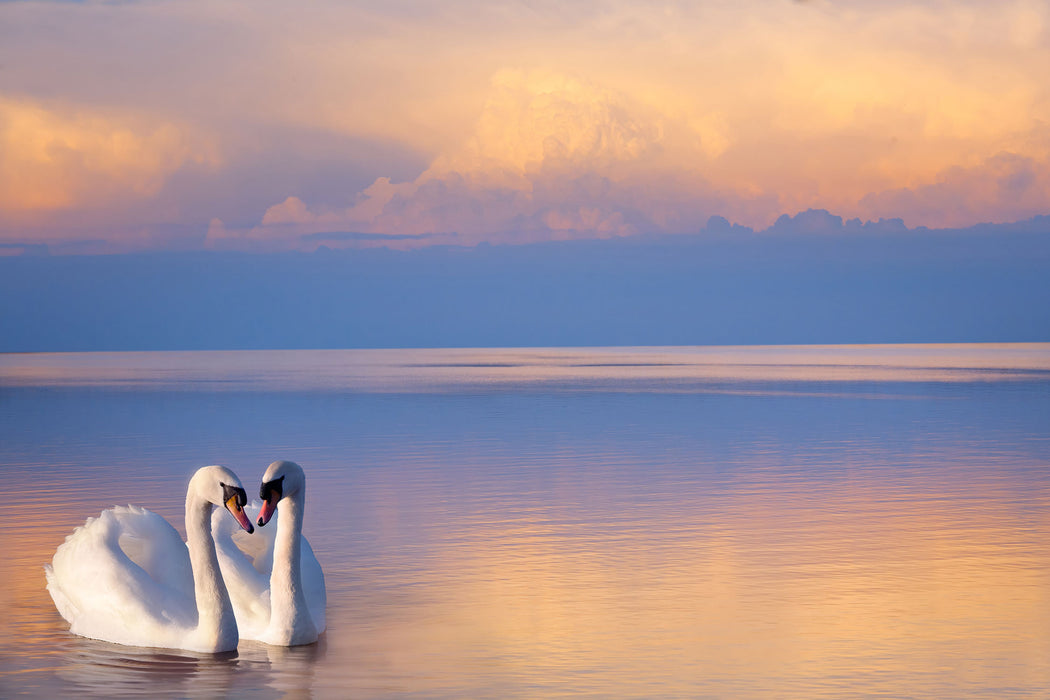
(63, 604)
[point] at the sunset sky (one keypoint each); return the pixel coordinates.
(265, 125)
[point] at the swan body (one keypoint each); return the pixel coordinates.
(127, 577)
(276, 583)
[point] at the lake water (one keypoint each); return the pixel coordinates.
(774, 522)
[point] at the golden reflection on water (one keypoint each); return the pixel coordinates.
(784, 593)
(785, 587)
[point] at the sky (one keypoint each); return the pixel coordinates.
(268, 126)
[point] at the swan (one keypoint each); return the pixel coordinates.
(276, 583)
(127, 577)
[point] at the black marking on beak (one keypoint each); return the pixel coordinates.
(272, 489)
(270, 493)
(229, 492)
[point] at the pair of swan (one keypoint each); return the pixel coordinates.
(127, 577)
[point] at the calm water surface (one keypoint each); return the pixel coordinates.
(796, 522)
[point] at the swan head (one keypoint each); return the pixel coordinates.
(282, 479)
(221, 487)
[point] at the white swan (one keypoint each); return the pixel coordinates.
(275, 581)
(127, 577)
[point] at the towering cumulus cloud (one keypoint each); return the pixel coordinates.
(550, 157)
(56, 158)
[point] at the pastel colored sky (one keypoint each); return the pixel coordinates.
(265, 125)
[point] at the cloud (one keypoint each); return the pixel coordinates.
(515, 121)
(335, 236)
(821, 222)
(554, 157)
(13, 249)
(290, 211)
(551, 157)
(1005, 187)
(61, 158)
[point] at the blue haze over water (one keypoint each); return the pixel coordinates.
(787, 285)
(747, 522)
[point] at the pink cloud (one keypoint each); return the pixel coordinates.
(1006, 187)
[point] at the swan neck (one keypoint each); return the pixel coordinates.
(288, 544)
(288, 611)
(215, 618)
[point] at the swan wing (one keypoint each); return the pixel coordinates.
(124, 577)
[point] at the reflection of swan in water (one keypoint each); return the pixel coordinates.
(100, 668)
(291, 671)
(275, 581)
(127, 577)
(89, 668)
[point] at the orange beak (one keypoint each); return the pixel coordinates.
(234, 506)
(269, 507)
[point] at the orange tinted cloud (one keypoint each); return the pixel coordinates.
(54, 159)
(534, 121)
